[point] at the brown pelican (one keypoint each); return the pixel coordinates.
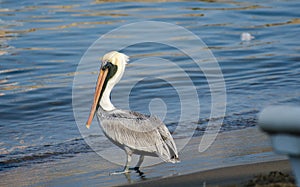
(133, 132)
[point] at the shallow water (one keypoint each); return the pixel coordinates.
(43, 42)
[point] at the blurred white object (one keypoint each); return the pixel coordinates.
(282, 123)
(245, 36)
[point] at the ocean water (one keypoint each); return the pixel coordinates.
(42, 43)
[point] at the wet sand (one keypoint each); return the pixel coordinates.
(234, 157)
(242, 175)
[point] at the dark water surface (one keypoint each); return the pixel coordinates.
(41, 44)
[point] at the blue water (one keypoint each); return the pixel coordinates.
(41, 44)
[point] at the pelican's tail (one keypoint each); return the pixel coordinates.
(167, 154)
(174, 159)
(167, 149)
(173, 154)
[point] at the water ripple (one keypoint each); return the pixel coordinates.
(42, 43)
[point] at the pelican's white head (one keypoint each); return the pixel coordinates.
(115, 57)
(111, 72)
(118, 60)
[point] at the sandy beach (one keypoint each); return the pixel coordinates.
(234, 158)
(240, 175)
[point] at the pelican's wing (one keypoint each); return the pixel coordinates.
(139, 132)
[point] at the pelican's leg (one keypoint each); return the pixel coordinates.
(137, 167)
(126, 168)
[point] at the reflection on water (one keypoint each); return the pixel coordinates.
(42, 42)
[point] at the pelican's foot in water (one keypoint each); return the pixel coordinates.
(135, 168)
(120, 172)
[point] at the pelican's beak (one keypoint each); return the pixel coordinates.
(99, 87)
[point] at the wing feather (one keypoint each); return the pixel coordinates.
(139, 132)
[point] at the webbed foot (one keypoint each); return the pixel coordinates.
(135, 168)
(120, 172)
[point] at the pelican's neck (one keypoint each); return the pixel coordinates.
(105, 102)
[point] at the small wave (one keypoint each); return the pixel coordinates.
(234, 121)
(42, 153)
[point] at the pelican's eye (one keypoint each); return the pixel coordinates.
(106, 64)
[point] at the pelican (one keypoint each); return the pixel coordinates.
(133, 132)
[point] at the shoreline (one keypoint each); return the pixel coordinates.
(230, 156)
(228, 176)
